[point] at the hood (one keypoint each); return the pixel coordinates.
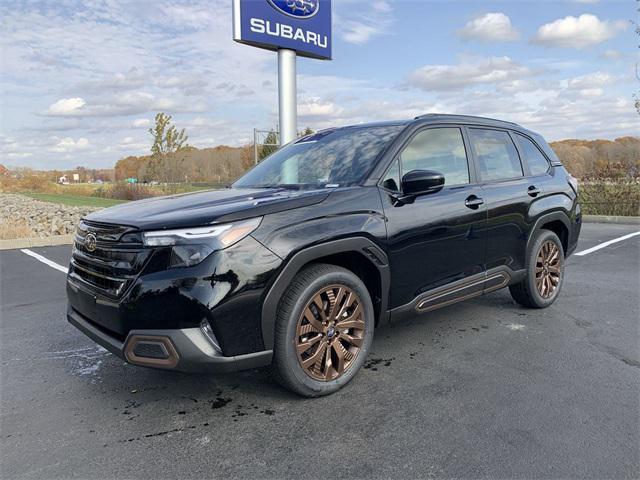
(206, 207)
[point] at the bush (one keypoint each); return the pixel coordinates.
(125, 191)
(610, 191)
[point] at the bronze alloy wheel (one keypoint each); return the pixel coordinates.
(330, 332)
(548, 269)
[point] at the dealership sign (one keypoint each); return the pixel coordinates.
(300, 25)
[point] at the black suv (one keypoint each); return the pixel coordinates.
(299, 260)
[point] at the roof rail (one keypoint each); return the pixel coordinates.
(462, 117)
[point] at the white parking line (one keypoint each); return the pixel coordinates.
(44, 260)
(62, 269)
(606, 244)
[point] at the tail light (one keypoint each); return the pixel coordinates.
(573, 181)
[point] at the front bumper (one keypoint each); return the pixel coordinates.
(187, 349)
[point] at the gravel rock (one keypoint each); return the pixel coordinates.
(45, 219)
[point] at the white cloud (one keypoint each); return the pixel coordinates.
(315, 107)
(490, 27)
(131, 80)
(358, 32)
(516, 86)
(493, 70)
(122, 103)
(68, 144)
(590, 81)
(612, 54)
(130, 144)
(141, 122)
(381, 6)
(591, 92)
(363, 25)
(577, 32)
(66, 106)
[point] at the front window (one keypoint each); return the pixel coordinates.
(331, 158)
(440, 150)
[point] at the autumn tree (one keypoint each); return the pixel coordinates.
(167, 150)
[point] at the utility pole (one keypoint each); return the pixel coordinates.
(255, 146)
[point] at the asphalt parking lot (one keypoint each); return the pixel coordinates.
(482, 389)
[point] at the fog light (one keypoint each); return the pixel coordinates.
(151, 351)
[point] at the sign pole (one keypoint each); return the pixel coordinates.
(288, 102)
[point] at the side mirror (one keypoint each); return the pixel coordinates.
(421, 182)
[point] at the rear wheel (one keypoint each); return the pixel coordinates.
(545, 273)
(323, 330)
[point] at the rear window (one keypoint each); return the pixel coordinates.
(537, 162)
(496, 154)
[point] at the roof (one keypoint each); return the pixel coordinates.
(388, 123)
(441, 117)
(437, 118)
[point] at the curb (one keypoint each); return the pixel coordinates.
(611, 219)
(36, 242)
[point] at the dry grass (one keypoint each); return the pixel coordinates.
(17, 229)
(39, 184)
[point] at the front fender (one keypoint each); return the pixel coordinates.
(354, 244)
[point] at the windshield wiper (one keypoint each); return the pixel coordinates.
(285, 186)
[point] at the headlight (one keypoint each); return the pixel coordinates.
(192, 245)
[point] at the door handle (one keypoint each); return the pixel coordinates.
(473, 202)
(533, 191)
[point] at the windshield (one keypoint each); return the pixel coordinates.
(332, 158)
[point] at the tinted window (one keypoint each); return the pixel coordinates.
(335, 157)
(497, 155)
(438, 149)
(535, 159)
(391, 180)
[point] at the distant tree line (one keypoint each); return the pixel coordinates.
(173, 160)
(585, 158)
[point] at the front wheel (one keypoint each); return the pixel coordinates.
(545, 273)
(324, 329)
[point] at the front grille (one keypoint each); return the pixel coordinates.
(110, 260)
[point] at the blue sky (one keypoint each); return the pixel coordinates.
(80, 82)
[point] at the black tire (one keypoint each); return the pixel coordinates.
(287, 366)
(527, 293)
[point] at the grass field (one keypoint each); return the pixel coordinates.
(75, 200)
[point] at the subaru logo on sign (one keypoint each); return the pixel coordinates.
(297, 8)
(299, 25)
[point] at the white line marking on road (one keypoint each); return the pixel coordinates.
(44, 260)
(606, 244)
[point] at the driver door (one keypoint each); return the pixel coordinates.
(440, 238)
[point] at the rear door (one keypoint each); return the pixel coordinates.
(508, 194)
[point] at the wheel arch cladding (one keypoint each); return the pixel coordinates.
(357, 254)
(557, 222)
(561, 230)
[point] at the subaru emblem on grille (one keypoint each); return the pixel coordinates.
(90, 242)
